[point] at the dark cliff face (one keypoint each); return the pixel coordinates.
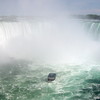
(89, 16)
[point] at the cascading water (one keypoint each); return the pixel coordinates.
(33, 48)
(93, 28)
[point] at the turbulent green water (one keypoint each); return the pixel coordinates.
(20, 80)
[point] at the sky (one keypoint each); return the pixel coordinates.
(48, 7)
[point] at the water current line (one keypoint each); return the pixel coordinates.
(91, 27)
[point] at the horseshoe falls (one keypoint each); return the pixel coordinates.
(31, 48)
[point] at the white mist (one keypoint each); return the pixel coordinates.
(52, 40)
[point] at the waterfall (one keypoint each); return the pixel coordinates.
(48, 39)
(75, 57)
(93, 28)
